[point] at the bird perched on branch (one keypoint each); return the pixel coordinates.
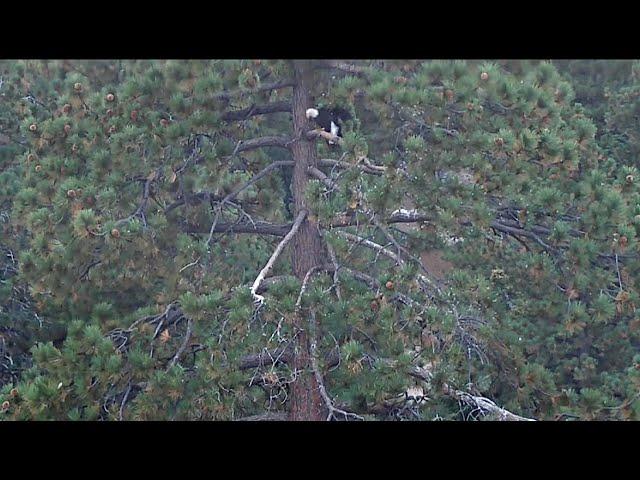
(330, 119)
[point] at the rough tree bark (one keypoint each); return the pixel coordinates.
(306, 402)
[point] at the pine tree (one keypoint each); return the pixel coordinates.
(205, 254)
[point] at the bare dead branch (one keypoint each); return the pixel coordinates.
(263, 273)
(305, 283)
(183, 346)
(372, 245)
(336, 266)
(487, 405)
(320, 175)
(397, 216)
(124, 402)
(214, 224)
(408, 216)
(318, 133)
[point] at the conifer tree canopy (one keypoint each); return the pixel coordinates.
(181, 241)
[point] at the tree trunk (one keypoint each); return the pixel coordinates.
(306, 402)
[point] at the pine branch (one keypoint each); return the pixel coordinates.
(263, 273)
(372, 245)
(432, 283)
(315, 366)
(313, 350)
(318, 133)
(261, 142)
(482, 403)
(200, 197)
(208, 196)
(305, 283)
(124, 402)
(408, 216)
(232, 195)
(260, 228)
(255, 178)
(183, 346)
(265, 417)
(420, 373)
(249, 112)
(397, 216)
(320, 175)
(86, 269)
(520, 231)
(273, 357)
(262, 88)
(146, 190)
(343, 67)
(487, 405)
(366, 166)
(336, 266)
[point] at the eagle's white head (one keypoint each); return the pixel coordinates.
(312, 113)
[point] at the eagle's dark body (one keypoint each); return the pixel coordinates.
(329, 119)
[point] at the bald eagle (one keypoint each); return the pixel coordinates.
(330, 119)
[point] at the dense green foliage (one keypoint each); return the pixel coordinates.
(523, 176)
